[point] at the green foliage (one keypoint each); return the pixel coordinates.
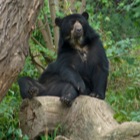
(52, 136)
(29, 69)
(134, 7)
(124, 86)
(124, 103)
(42, 53)
(9, 110)
(57, 131)
(118, 24)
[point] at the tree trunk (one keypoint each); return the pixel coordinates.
(52, 6)
(87, 119)
(16, 22)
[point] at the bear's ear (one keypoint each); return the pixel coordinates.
(58, 21)
(85, 15)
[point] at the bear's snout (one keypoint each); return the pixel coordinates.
(78, 33)
(77, 29)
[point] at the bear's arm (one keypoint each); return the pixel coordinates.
(70, 75)
(100, 71)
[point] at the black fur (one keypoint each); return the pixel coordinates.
(80, 68)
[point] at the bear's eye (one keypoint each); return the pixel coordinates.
(81, 22)
(72, 22)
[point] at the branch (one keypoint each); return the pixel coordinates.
(72, 7)
(68, 7)
(83, 7)
(46, 35)
(49, 31)
(36, 61)
(53, 16)
(48, 59)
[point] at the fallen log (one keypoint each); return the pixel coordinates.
(87, 119)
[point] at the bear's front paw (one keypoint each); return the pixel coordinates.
(67, 99)
(96, 95)
(33, 91)
(81, 87)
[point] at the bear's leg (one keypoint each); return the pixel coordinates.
(99, 82)
(69, 94)
(30, 88)
(62, 89)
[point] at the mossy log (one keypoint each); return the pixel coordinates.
(87, 119)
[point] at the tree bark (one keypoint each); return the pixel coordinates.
(16, 22)
(53, 16)
(87, 119)
(83, 7)
(46, 34)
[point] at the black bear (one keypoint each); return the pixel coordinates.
(81, 66)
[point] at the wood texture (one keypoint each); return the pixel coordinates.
(52, 6)
(16, 22)
(87, 119)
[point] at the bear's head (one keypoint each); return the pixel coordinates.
(73, 28)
